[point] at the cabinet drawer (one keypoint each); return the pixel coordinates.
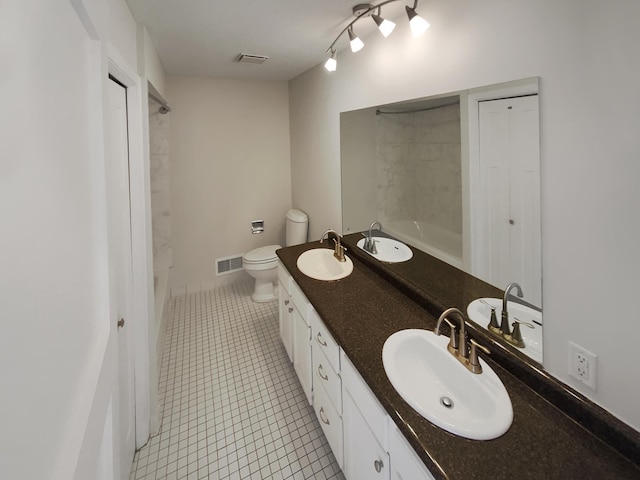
(367, 403)
(326, 376)
(330, 422)
(325, 341)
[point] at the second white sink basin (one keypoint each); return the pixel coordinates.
(389, 250)
(442, 390)
(320, 264)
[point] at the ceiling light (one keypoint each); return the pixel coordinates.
(385, 26)
(362, 10)
(354, 41)
(418, 24)
(331, 62)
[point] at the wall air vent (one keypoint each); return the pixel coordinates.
(228, 264)
(252, 59)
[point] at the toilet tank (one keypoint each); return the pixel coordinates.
(297, 226)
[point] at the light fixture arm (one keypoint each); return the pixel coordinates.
(363, 14)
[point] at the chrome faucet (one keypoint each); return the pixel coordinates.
(369, 244)
(504, 322)
(465, 352)
(339, 249)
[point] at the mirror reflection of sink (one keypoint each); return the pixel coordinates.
(320, 264)
(442, 390)
(389, 250)
(481, 314)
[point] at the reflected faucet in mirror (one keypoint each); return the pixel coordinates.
(504, 323)
(369, 243)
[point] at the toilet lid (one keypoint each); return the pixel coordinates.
(262, 254)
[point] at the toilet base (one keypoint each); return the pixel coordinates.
(264, 291)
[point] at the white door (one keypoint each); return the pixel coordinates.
(121, 268)
(510, 194)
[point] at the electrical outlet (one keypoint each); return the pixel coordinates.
(582, 365)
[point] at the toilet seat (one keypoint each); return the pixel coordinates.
(261, 256)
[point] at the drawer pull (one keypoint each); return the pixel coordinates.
(320, 372)
(378, 465)
(286, 302)
(290, 309)
(320, 341)
(323, 416)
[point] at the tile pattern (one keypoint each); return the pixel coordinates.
(419, 167)
(160, 186)
(232, 407)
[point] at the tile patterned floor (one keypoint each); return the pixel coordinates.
(232, 407)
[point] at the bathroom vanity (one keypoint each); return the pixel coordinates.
(334, 332)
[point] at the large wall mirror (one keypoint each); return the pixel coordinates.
(457, 176)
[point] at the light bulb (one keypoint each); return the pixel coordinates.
(385, 26)
(418, 24)
(355, 42)
(332, 63)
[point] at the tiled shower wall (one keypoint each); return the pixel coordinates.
(419, 167)
(160, 194)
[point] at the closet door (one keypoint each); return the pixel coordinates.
(509, 194)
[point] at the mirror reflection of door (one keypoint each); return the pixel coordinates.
(508, 202)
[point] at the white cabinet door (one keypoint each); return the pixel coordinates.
(364, 458)
(405, 463)
(302, 353)
(285, 312)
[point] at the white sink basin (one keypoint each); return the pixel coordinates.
(320, 264)
(481, 314)
(389, 250)
(442, 390)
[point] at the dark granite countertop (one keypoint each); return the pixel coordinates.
(364, 309)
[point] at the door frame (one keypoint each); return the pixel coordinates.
(472, 236)
(141, 255)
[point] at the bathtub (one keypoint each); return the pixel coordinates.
(432, 239)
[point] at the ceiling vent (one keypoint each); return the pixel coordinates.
(252, 59)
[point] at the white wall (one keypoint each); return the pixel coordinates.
(585, 54)
(58, 348)
(229, 165)
(153, 69)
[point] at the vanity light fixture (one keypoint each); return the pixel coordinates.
(331, 62)
(385, 26)
(418, 26)
(354, 41)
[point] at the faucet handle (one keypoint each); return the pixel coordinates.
(516, 335)
(493, 322)
(339, 250)
(473, 356)
(453, 338)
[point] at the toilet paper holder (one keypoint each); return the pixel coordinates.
(257, 226)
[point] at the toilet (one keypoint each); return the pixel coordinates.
(262, 263)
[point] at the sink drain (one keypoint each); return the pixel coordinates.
(446, 402)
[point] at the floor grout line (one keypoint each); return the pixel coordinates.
(232, 407)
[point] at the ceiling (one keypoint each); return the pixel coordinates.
(205, 37)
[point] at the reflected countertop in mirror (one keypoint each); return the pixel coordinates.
(436, 286)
